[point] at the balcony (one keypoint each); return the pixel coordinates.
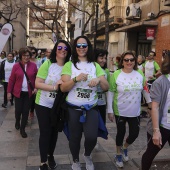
(115, 19)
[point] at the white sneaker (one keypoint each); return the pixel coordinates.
(89, 162)
(118, 160)
(76, 166)
(0, 85)
(125, 155)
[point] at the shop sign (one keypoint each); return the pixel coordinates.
(150, 33)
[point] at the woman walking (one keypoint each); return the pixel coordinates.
(80, 78)
(47, 82)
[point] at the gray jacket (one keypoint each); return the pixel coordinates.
(159, 91)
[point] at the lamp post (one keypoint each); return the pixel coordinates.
(96, 22)
(68, 27)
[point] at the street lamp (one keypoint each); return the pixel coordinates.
(96, 22)
(68, 27)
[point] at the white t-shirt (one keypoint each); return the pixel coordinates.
(127, 89)
(8, 68)
(81, 93)
(51, 73)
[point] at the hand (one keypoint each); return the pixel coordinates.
(35, 91)
(151, 77)
(81, 77)
(9, 96)
(157, 139)
(59, 82)
(94, 82)
(111, 117)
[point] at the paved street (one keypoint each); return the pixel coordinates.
(17, 153)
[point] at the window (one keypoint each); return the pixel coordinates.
(37, 34)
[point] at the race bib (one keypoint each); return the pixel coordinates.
(83, 94)
(101, 96)
(51, 95)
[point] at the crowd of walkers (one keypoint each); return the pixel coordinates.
(32, 83)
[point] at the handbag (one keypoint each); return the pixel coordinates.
(28, 80)
(59, 112)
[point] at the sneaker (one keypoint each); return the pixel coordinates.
(76, 166)
(89, 163)
(4, 105)
(125, 155)
(51, 162)
(118, 160)
(43, 167)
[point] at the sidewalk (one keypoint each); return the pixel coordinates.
(17, 153)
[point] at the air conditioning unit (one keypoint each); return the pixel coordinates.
(167, 3)
(133, 11)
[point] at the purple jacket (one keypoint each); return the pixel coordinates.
(16, 78)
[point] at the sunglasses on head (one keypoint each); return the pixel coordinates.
(60, 48)
(83, 45)
(128, 59)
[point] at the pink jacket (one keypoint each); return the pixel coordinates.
(16, 78)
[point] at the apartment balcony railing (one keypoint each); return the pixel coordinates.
(116, 15)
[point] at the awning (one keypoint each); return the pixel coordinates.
(138, 27)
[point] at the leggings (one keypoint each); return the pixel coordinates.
(134, 125)
(152, 150)
(89, 127)
(22, 105)
(48, 135)
(102, 110)
(5, 84)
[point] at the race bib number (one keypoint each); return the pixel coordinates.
(83, 94)
(100, 95)
(51, 95)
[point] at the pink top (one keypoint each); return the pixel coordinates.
(16, 78)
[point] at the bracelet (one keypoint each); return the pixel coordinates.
(156, 130)
(74, 79)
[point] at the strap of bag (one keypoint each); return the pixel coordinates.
(28, 80)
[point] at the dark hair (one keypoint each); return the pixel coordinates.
(165, 66)
(53, 52)
(100, 53)
(33, 48)
(3, 52)
(90, 52)
(120, 65)
(11, 54)
(23, 51)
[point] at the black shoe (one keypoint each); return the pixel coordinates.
(51, 162)
(12, 103)
(43, 167)
(4, 105)
(17, 126)
(23, 133)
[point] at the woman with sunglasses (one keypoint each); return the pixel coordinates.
(158, 128)
(47, 82)
(80, 78)
(126, 85)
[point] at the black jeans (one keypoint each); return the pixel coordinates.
(5, 84)
(152, 150)
(22, 106)
(76, 128)
(134, 125)
(48, 134)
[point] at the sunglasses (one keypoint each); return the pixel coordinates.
(83, 45)
(60, 48)
(33, 52)
(128, 59)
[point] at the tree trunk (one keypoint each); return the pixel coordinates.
(106, 44)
